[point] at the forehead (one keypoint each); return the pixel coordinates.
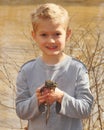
(46, 25)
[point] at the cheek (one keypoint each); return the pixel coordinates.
(42, 43)
(62, 43)
(62, 40)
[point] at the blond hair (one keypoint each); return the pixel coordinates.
(50, 11)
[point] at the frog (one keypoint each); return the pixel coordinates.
(51, 85)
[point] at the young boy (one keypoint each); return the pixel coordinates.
(71, 100)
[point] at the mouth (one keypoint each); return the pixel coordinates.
(51, 47)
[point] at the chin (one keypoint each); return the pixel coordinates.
(55, 53)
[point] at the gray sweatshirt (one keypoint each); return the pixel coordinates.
(72, 78)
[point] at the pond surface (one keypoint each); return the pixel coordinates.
(16, 45)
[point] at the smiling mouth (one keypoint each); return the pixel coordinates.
(51, 47)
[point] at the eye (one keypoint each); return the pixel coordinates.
(58, 34)
(43, 34)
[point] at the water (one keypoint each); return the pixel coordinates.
(16, 45)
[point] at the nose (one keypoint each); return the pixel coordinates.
(51, 39)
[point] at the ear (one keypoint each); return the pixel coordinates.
(33, 34)
(68, 34)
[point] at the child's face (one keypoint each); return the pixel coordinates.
(51, 37)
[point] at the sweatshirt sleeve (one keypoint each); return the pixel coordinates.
(80, 105)
(26, 105)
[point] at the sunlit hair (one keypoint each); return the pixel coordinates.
(50, 11)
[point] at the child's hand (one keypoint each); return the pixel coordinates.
(42, 96)
(49, 96)
(53, 96)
